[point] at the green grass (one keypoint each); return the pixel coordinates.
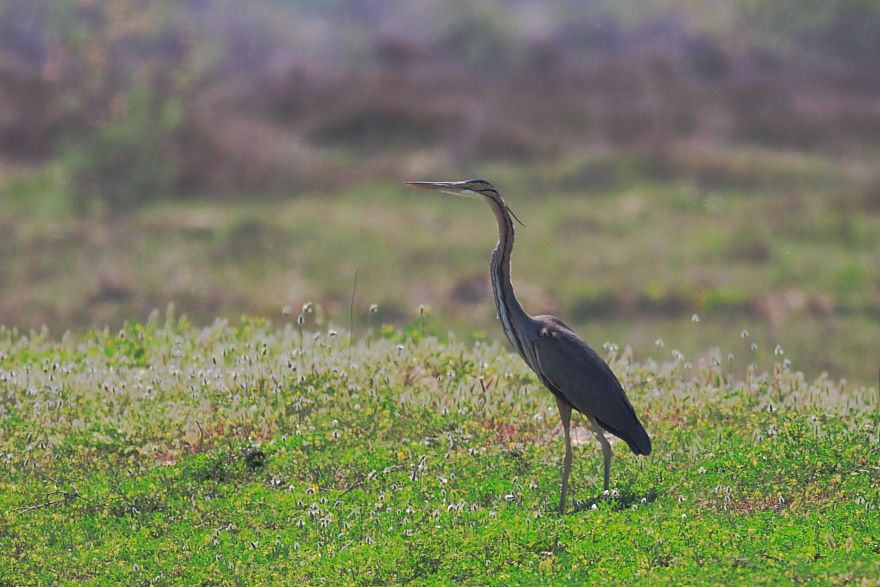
(166, 454)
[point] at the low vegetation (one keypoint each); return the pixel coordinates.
(167, 454)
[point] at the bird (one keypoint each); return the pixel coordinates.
(575, 374)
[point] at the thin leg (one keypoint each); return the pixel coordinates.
(606, 448)
(565, 416)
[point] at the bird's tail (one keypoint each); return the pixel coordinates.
(638, 440)
(635, 436)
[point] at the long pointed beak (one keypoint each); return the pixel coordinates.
(456, 188)
(441, 186)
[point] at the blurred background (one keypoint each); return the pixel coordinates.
(691, 174)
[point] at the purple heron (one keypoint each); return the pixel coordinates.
(575, 373)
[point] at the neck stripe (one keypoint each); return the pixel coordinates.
(500, 270)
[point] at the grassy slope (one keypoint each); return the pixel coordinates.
(257, 455)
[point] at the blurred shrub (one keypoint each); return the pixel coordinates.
(130, 159)
(848, 28)
(375, 119)
(141, 99)
(41, 193)
(109, 81)
(481, 34)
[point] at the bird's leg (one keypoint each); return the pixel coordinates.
(606, 448)
(565, 416)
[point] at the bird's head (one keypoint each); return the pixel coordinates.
(471, 188)
(479, 189)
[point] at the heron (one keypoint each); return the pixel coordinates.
(566, 365)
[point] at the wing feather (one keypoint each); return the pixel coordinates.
(574, 370)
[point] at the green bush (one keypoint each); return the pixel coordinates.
(847, 27)
(130, 159)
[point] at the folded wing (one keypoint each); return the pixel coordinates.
(576, 372)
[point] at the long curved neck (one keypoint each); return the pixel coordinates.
(510, 312)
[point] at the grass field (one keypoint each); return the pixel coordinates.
(167, 454)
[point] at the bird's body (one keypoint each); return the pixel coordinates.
(575, 374)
